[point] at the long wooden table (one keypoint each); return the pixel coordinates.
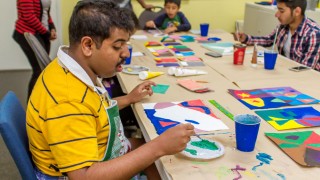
(223, 75)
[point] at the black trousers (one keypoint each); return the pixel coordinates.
(36, 70)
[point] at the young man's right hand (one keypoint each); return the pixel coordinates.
(240, 37)
(175, 139)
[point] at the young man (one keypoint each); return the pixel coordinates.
(73, 127)
(172, 20)
(298, 37)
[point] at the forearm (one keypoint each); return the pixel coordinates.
(142, 3)
(265, 41)
(184, 27)
(123, 101)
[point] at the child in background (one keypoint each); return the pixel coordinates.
(171, 21)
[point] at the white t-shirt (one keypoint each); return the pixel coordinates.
(287, 45)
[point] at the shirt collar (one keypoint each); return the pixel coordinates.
(69, 63)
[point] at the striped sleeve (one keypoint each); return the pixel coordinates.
(265, 41)
(70, 130)
(311, 50)
(28, 11)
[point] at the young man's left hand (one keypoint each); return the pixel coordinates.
(141, 91)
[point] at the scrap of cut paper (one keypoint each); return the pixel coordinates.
(164, 115)
(266, 98)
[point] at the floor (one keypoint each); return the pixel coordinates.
(8, 169)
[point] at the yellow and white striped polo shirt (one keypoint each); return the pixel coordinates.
(67, 124)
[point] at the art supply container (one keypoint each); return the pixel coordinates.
(270, 58)
(204, 28)
(247, 127)
(128, 59)
(143, 75)
(239, 51)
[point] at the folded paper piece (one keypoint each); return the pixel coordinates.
(265, 98)
(165, 115)
(143, 75)
(184, 72)
(303, 147)
(224, 48)
(192, 85)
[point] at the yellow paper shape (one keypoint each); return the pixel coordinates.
(258, 102)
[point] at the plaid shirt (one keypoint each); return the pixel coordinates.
(305, 42)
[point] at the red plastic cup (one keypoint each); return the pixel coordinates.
(239, 51)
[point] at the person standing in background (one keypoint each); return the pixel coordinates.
(34, 17)
(127, 4)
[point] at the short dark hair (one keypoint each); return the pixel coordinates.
(97, 18)
(177, 2)
(292, 4)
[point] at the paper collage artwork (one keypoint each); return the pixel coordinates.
(272, 97)
(303, 147)
(291, 118)
(165, 115)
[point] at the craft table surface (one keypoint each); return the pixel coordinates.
(223, 75)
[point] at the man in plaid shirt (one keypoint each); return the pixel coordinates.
(298, 36)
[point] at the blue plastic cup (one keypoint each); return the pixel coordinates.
(204, 28)
(128, 59)
(247, 127)
(270, 58)
(274, 2)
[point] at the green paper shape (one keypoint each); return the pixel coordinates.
(286, 145)
(160, 88)
(302, 136)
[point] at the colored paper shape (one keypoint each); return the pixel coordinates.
(190, 58)
(291, 118)
(168, 64)
(165, 115)
(265, 98)
(171, 43)
(192, 85)
(192, 63)
(162, 60)
(224, 48)
(303, 147)
(160, 88)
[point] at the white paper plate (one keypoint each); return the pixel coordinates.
(134, 69)
(203, 149)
